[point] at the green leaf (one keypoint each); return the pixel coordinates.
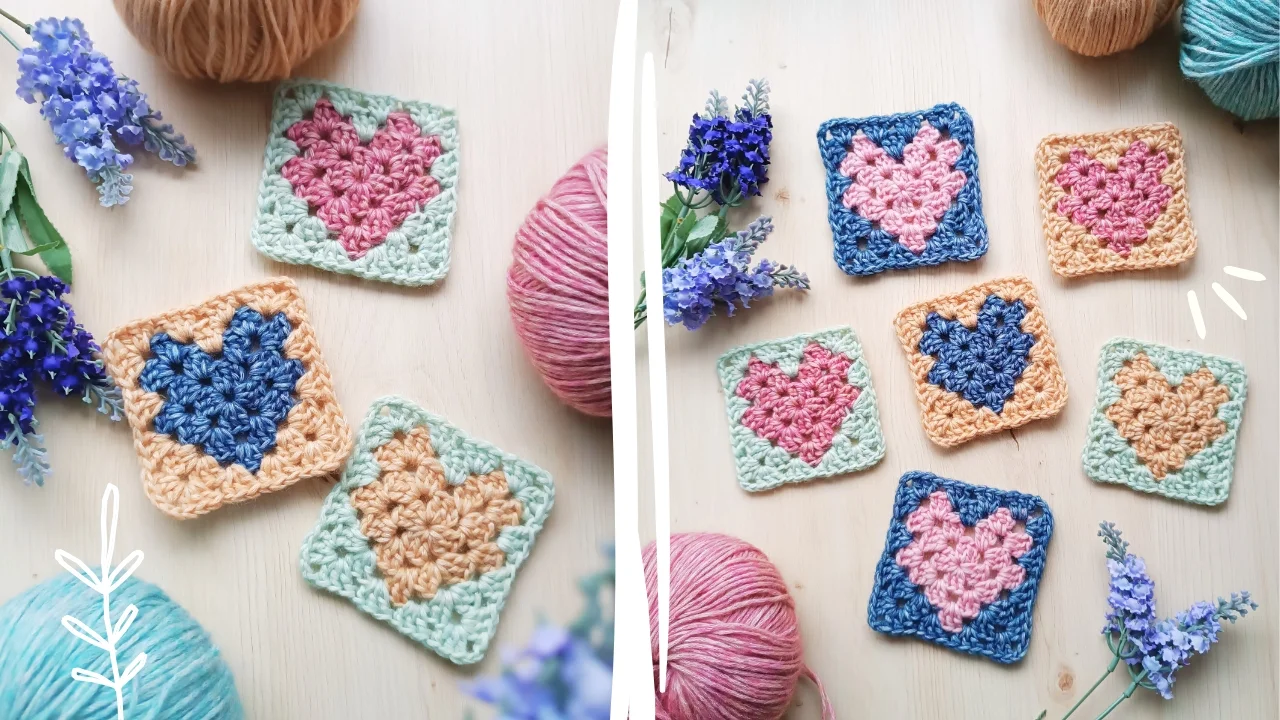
(58, 260)
(11, 235)
(41, 233)
(46, 241)
(49, 243)
(10, 165)
(708, 230)
(670, 211)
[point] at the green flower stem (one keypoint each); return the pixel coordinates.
(1115, 661)
(1133, 686)
(8, 37)
(13, 143)
(26, 27)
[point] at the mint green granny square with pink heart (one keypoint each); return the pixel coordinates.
(800, 408)
(359, 184)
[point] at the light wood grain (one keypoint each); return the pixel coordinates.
(852, 59)
(530, 83)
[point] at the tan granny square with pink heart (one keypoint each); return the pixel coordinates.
(1115, 201)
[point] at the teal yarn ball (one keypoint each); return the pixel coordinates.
(1231, 48)
(184, 678)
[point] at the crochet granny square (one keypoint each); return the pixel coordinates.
(427, 528)
(982, 359)
(1115, 200)
(1165, 421)
(800, 408)
(902, 190)
(961, 566)
(228, 400)
(358, 184)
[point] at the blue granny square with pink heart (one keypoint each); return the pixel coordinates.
(961, 566)
(903, 190)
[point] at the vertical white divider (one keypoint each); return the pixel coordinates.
(632, 693)
(651, 240)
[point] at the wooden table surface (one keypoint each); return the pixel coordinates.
(530, 83)
(852, 59)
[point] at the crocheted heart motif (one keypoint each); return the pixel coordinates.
(906, 198)
(1116, 206)
(362, 191)
(962, 569)
(983, 363)
(1166, 425)
(229, 404)
(426, 533)
(800, 414)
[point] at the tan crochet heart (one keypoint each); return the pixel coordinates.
(1166, 425)
(426, 533)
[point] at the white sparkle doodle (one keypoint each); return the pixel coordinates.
(1227, 298)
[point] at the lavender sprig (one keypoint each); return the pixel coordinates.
(722, 276)
(563, 672)
(91, 109)
(1153, 650)
(41, 340)
(725, 163)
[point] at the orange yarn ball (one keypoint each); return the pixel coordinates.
(252, 40)
(1104, 27)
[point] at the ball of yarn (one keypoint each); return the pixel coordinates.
(1103, 27)
(1231, 48)
(734, 648)
(558, 287)
(252, 40)
(184, 676)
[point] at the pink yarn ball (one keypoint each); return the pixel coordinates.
(558, 287)
(735, 651)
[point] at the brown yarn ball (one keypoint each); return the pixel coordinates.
(1104, 27)
(230, 40)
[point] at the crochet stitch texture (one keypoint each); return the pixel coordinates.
(359, 184)
(982, 359)
(903, 190)
(427, 528)
(1115, 201)
(961, 566)
(800, 408)
(227, 400)
(1165, 421)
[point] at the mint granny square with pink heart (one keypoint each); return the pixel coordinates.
(359, 184)
(903, 190)
(962, 566)
(800, 408)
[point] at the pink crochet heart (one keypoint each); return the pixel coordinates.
(1116, 206)
(962, 569)
(800, 414)
(361, 191)
(906, 198)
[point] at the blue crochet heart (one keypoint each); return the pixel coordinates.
(230, 404)
(984, 363)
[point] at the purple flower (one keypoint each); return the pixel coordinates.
(722, 275)
(41, 340)
(1132, 597)
(89, 107)
(561, 674)
(1155, 649)
(728, 157)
